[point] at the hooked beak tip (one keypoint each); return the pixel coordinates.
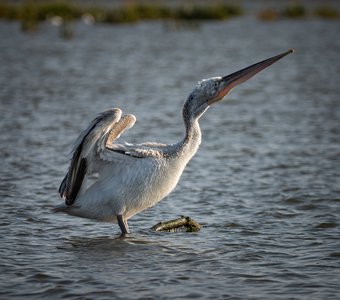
(236, 78)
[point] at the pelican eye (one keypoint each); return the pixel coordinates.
(216, 86)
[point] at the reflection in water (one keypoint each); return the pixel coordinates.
(264, 184)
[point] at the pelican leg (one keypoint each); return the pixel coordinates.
(123, 225)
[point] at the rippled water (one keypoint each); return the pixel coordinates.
(264, 184)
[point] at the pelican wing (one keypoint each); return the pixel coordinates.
(113, 152)
(97, 139)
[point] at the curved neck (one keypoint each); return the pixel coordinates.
(192, 138)
(192, 133)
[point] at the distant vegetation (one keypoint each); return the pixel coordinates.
(30, 13)
(298, 11)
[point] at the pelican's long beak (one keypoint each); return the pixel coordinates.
(234, 79)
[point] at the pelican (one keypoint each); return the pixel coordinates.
(131, 178)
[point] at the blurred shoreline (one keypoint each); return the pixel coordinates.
(118, 11)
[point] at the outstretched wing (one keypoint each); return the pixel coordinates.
(88, 148)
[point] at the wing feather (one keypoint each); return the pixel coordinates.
(97, 138)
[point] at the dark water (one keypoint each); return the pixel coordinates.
(264, 184)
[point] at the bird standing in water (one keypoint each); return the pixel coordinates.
(131, 177)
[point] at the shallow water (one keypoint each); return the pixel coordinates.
(264, 184)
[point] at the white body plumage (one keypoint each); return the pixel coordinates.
(132, 185)
(130, 178)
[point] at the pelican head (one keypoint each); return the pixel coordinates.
(213, 90)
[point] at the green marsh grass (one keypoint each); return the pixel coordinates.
(38, 11)
(31, 12)
(294, 11)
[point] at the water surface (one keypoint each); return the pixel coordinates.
(264, 184)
